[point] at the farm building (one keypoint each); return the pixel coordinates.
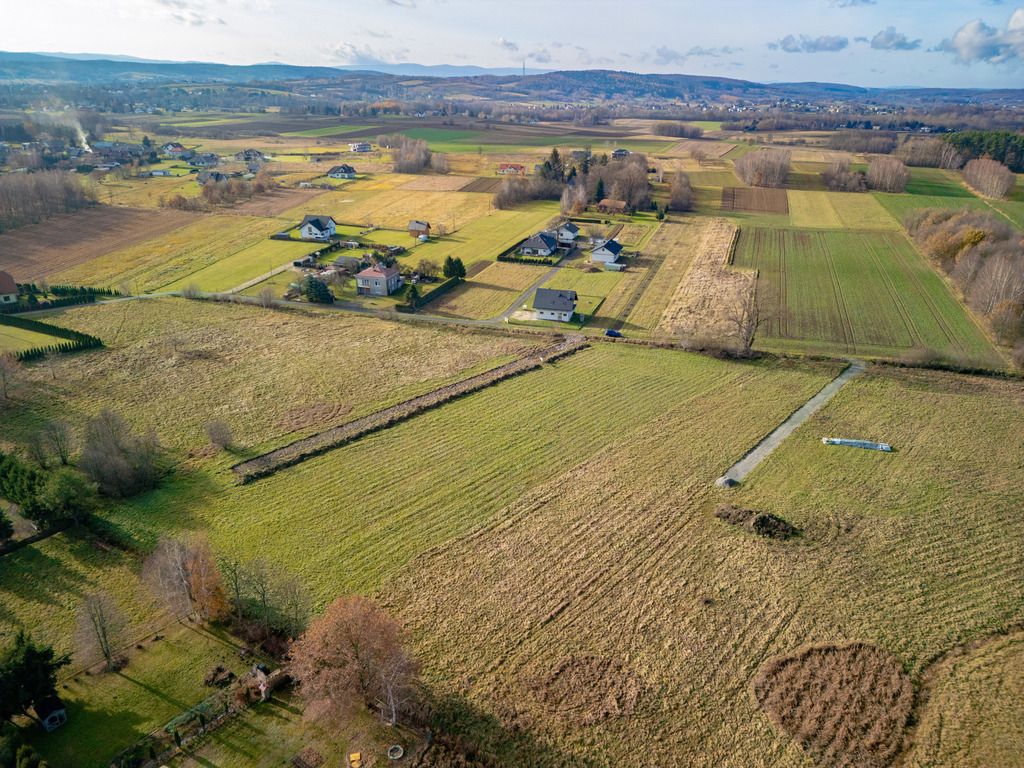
(607, 252)
(549, 304)
(378, 280)
(51, 713)
(419, 228)
(343, 171)
(511, 169)
(360, 146)
(160, 172)
(567, 233)
(174, 149)
(8, 289)
(618, 154)
(541, 244)
(317, 228)
(612, 206)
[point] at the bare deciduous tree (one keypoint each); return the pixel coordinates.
(887, 174)
(59, 440)
(100, 631)
(680, 192)
(266, 297)
(219, 434)
(991, 178)
(764, 168)
(354, 653)
(121, 463)
(184, 574)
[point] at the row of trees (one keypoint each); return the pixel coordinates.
(413, 155)
(227, 192)
(989, 177)
(839, 178)
(1005, 146)
(931, 153)
(28, 198)
(984, 256)
(678, 130)
(764, 168)
(875, 142)
(887, 174)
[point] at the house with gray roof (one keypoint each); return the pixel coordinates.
(551, 304)
(317, 228)
(607, 252)
(541, 244)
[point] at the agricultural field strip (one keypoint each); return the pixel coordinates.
(711, 291)
(292, 454)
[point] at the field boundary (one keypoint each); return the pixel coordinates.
(294, 453)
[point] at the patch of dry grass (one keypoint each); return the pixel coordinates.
(489, 292)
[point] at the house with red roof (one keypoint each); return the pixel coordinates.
(8, 289)
(378, 280)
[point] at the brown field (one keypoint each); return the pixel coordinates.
(69, 239)
(755, 200)
(276, 202)
(438, 184)
(669, 252)
(483, 185)
(847, 706)
(711, 149)
(709, 300)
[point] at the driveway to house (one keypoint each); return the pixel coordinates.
(738, 471)
(521, 299)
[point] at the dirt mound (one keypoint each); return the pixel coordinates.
(313, 415)
(588, 690)
(762, 523)
(847, 706)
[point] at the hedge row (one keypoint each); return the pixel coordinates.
(545, 260)
(75, 341)
(64, 301)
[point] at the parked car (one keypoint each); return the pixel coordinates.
(613, 333)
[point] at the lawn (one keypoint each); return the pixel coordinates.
(18, 340)
(153, 264)
(488, 293)
(855, 293)
(592, 289)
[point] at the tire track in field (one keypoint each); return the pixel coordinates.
(904, 313)
(850, 338)
(926, 297)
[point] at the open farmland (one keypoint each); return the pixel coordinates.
(155, 263)
(902, 204)
(70, 240)
(855, 293)
(838, 210)
(244, 265)
(754, 200)
(489, 292)
(520, 630)
(394, 208)
(145, 193)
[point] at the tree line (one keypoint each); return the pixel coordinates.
(28, 198)
(1005, 146)
(984, 256)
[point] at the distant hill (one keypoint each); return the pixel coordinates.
(452, 81)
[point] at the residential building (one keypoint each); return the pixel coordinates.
(612, 206)
(343, 171)
(567, 233)
(541, 244)
(209, 177)
(549, 304)
(378, 280)
(204, 160)
(606, 252)
(419, 228)
(317, 228)
(250, 156)
(511, 169)
(360, 146)
(8, 289)
(618, 154)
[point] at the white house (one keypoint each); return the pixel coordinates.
(378, 280)
(360, 146)
(549, 304)
(8, 289)
(343, 171)
(567, 233)
(541, 244)
(607, 252)
(317, 228)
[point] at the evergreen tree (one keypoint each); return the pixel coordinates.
(448, 270)
(458, 268)
(28, 673)
(412, 296)
(317, 292)
(599, 190)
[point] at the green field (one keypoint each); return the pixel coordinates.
(330, 130)
(900, 205)
(592, 288)
(855, 293)
(242, 266)
(18, 339)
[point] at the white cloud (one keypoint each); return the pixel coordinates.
(977, 41)
(506, 45)
(891, 40)
(807, 44)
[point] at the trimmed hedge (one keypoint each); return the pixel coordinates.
(544, 260)
(75, 341)
(64, 301)
(439, 290)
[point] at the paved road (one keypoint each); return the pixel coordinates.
(738, 471)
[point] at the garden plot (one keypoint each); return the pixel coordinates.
(754, 200)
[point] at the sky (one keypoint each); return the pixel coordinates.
(862, 42)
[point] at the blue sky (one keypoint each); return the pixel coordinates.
(864, 42)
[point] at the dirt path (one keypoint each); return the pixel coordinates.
(299, 451)
(739, 471)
